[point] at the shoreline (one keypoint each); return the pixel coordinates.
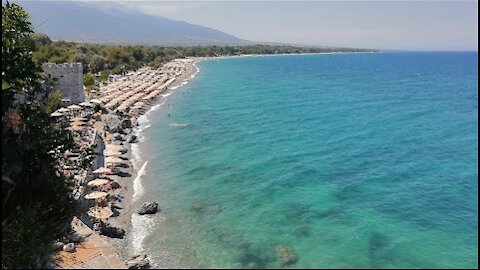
(109, 124)
(131, 192)
(135, 231)
(133, 196)
(176, 73)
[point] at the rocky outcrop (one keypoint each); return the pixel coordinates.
(113, 232)
(206, 208)
(75, 238)
(148, 208)
(285, 255)
(138, 262)
(109, 231)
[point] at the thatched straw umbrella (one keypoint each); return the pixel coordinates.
(96, 195)
(98, 182)
(112, 159)
(102, 170)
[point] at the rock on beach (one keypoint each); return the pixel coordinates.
(148, 208)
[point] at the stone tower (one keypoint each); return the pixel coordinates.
(69, 79)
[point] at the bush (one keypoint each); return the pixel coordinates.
(88, 79)
(53, 101)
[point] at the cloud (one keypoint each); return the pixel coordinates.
(150, 7)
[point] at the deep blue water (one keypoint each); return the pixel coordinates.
(350, 160)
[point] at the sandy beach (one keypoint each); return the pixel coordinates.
(109, 123)
(124, 220)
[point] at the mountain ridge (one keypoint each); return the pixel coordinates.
(82, 22)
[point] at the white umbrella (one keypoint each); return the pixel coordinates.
(102, 170)
(74, 107)
(112, 159)
(86, 104)
(96, 195)
(56, 114)
(97, 182)
(63, 110)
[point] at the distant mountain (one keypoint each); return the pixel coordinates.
(80, 21)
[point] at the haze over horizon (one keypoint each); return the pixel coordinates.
(388, 25)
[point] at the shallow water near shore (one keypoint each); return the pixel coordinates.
(351, 160)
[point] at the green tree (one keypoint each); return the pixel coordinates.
(53, 101)
(40, 39)
(96, 62)
(34, 194)
(88, 79)
(104, 76)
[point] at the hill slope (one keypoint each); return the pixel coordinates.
(77, 21)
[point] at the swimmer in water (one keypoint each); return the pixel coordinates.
(168, 114)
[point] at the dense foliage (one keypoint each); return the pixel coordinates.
(34, 193)
(115, 58)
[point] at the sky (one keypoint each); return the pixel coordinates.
(439, 25)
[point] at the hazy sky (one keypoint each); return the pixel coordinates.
(406, 25)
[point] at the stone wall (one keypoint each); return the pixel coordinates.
(69, 79)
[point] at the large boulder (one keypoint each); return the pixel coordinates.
(285, 255)
(138, 262)
(112, 232)
(75, 238)
(148, 208)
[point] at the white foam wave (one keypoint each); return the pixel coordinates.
(141, 227)
(137, 182)
(142, 120)
(154, 108)
(136, 160)
(143, 224)
(180, 125)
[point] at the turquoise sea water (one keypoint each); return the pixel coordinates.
(351, 160)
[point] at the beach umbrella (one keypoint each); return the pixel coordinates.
(116, 147)
(103, 170)
(98, 182)
(112, 159)
(56, 114)
(77, 125)
(63, 110)
(79, 119)
(96, 195)
(74, 107)
(95, 101)
(111, 152)
(86, 104)
(100, 212)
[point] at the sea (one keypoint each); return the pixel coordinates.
(348, 160)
